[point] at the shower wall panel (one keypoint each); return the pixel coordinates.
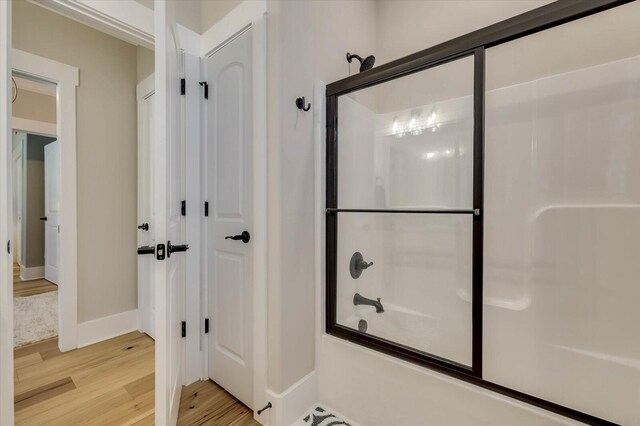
(562, 233)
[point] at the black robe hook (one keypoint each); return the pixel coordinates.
(300, 104)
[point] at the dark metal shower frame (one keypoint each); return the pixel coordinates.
(471, 44)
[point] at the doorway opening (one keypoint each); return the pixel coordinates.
(36, 207)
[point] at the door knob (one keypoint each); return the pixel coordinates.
(146, 250)
(44, 218)
(144, 226)
(244, 237)
(176, 248)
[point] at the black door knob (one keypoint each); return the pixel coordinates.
(44, 218)
(146, 250)
(176, 248)
(244, 237)
(144, 227)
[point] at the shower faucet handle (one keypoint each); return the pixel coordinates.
(357, 265)
(363, 264)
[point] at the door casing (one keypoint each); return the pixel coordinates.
(66, 79)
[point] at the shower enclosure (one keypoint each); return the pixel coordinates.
(483, 209)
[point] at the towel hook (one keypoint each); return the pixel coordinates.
(300, 104)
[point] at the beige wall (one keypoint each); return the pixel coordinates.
(35, 106)
(106, 137)
(145, 63)
(214, 10)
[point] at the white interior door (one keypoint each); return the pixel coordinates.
(168, 227)
(146, 240)
(230, 135)
(52, 207)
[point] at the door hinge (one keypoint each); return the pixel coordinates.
(206, 325)
(183, 86)
(183, 207)
(160, 252)
(206, 208)
(206, 89)
(184, 329)
(9, 246)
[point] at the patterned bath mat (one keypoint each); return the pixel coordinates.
(322, 416)
(35, 318)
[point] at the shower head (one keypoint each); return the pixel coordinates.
(365, 64)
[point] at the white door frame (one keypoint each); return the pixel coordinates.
(6, 218)
(34, 127)
(66, 79)
(249, 14)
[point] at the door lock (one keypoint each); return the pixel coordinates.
(177, 248)
(44, 218)
(147, 250)
(244, 237)
(144, 226)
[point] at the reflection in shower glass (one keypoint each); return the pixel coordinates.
(408, 143)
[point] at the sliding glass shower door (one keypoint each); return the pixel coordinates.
(403, 208)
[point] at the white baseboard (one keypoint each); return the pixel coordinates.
(291, 404)
(100, 329)
(33, 273)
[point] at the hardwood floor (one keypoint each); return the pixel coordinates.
(206, 403)
(109, 383)
(29, 288)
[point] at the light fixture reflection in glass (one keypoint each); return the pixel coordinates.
(415, 125)
(430, 155)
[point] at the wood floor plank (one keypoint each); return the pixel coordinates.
(147, 421)
(129, 412)
(46, 348)
(85, 413)
(206, 403)
(141, 386)
(48, 391)
(27, 360)
(33, 287)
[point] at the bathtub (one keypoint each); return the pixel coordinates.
(414, 329)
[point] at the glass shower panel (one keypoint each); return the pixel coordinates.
(408, 143)
(421, 273)
(562, 215)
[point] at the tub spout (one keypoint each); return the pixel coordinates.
(361, 300)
